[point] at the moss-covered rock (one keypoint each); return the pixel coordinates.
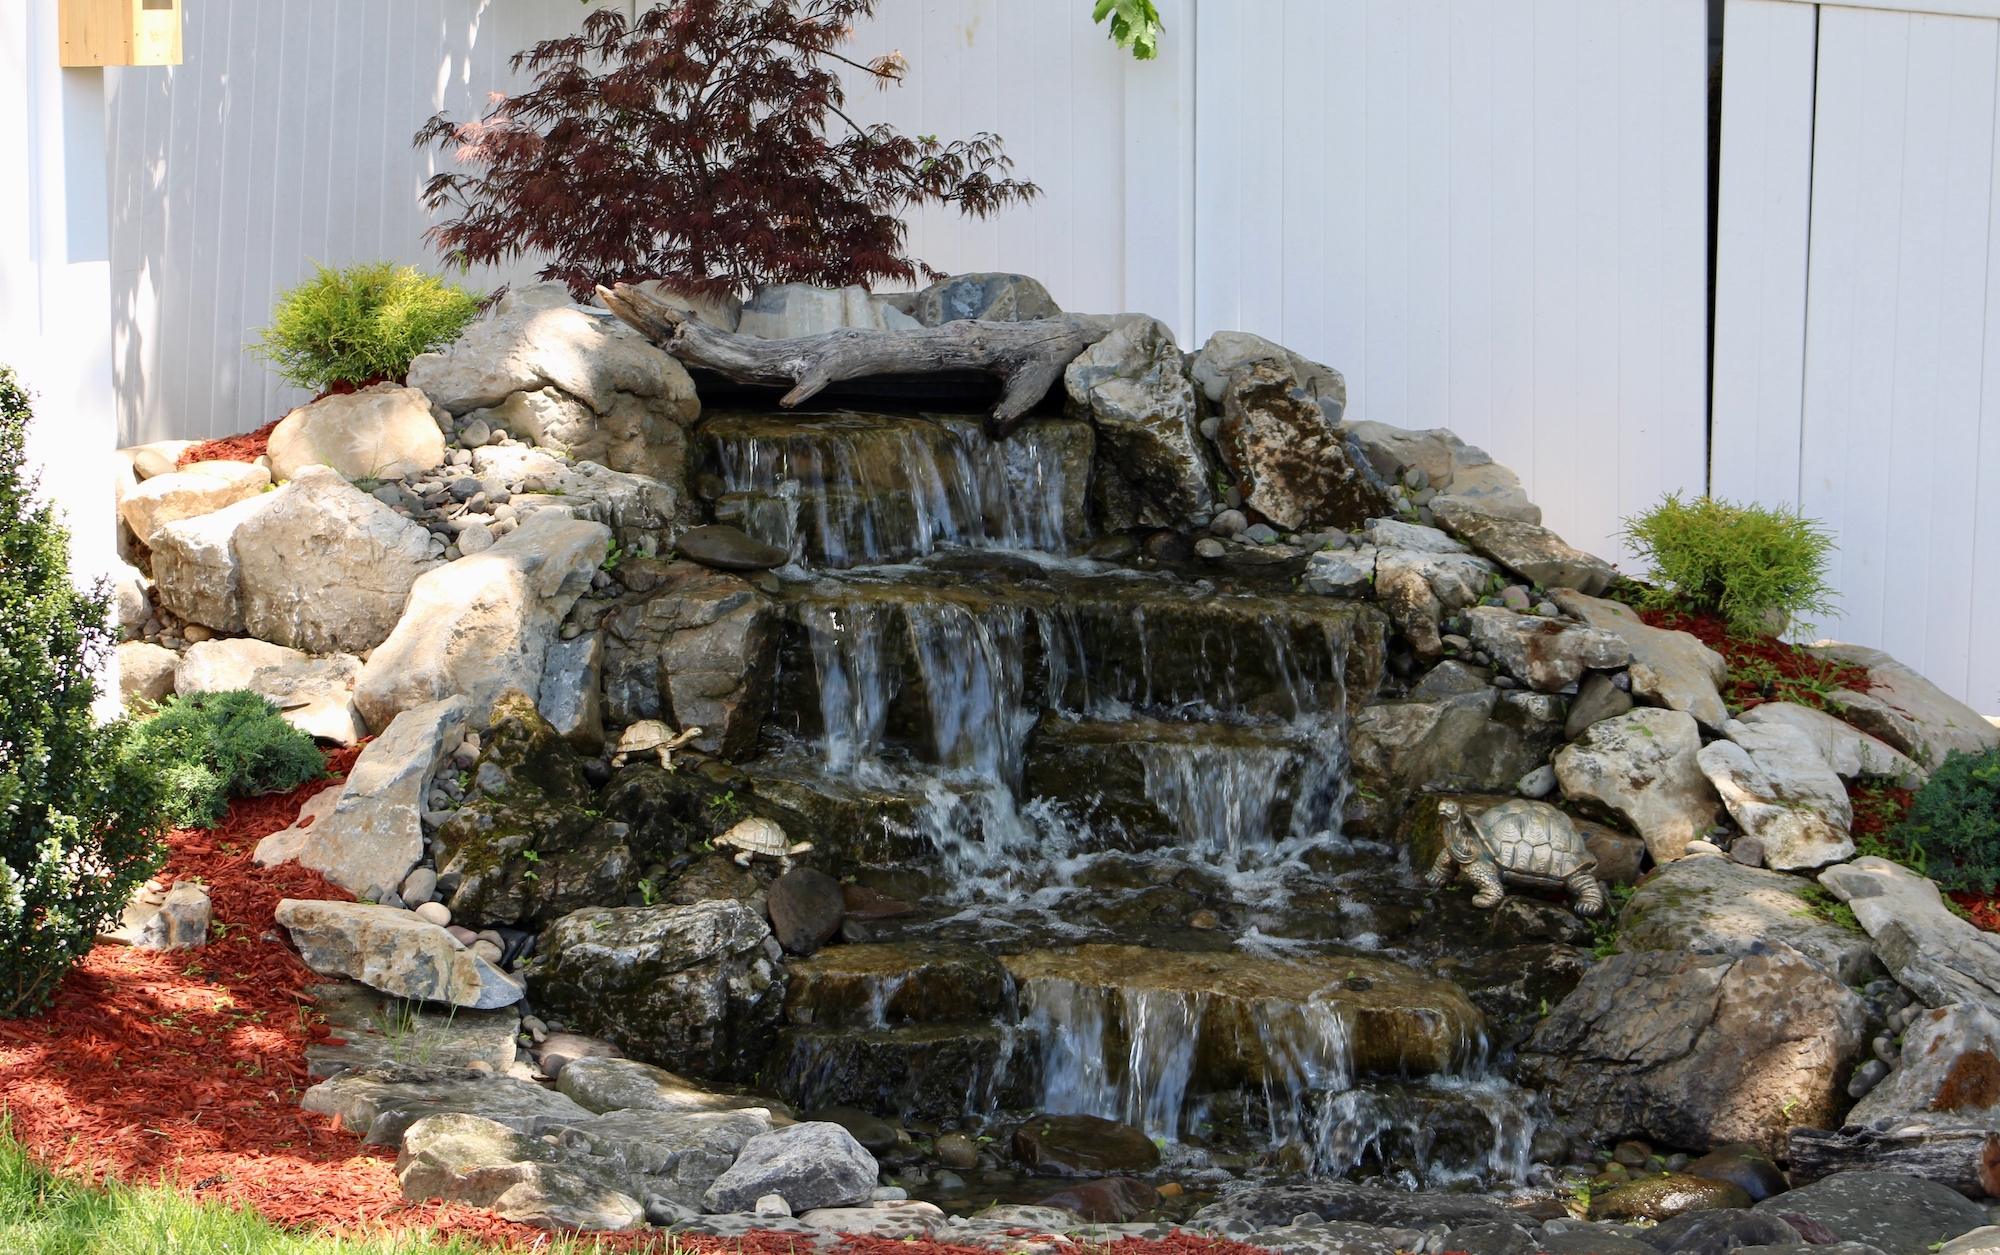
(530, 846)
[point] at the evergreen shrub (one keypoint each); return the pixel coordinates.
(210, 747)
(362, 325)
(1955, 822)
(1759, 568)
(80, 817)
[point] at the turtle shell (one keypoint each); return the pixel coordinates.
(1534, 841)
(759, 836)
(644, 735)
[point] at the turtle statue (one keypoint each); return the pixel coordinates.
(651, 734)
(754, 838)
(1527, 843)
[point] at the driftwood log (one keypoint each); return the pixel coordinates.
(1967, 1160)
(1027, 357)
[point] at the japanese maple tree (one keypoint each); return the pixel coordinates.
(706, 143)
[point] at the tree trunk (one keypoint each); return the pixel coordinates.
(1967, 1160)
(1027, 357)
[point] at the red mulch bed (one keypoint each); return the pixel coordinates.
(247, 447)
(186, 1068)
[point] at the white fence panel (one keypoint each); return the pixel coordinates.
(1491, 215)
(1901, 429)
(284, 139)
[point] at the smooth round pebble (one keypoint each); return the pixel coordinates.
(485, 950)
(434, 913)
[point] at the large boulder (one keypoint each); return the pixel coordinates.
(1900, 1215)
(195, 566)
(1699, 1049)
(382, 1102)
(528, 846)
(201, 488)
(1528, 550)
(1229, 355)
(324, 567)
(145, 673)
(383, 432)
(1286, 457)
(1545, 654)
(1931, 952)
(1476, 740)
(814, 1164)
(605, 1084)
(682, 1152)
(459, 1158)
(1908, 711)
(1670, 669)
(1642, 767)
(1717, 905)
(636, 401)
(1852, 753)
(1465, 476)
(392, 950)
(316, 695)
(991, 296)
(1154, 469)
(572, 694)
(786, 311)
(1949, 1074)
(484, 624)
(374, 835)
(699, 651)
(692, 988)
(1419, 588)
(1780, 791)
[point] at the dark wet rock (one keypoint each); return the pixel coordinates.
(927, 1071)
(716, 878)
(1115, 548)
(956, 1150)
(1596, 700)
(1618, 854)
(1083, 1146)
(1512, 987)
(671, 812)
(527, 847)
(1520, 920)
(1333, 1237)
(641, 574)
(696, 651)
(560, 1050)
(806, 909)
(1110, 1200)
(1451, 679)
(691, 988)
(1744, 1166)
(1697, 1049)
(867, 904)
(1588, 1240)
(854, 825)
(728, 549)
(1830, 1248)
(863, 986)
(1168, 546)
(1493, 1238)
(1902, 1215)
(1709, 1231)
(808, 1165)
(1666, 1196)
(1340, 1200)
(875, 1134)
(1484, 740)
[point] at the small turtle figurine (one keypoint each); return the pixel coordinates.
(651, 734)
(754, 837)
(1528, 843)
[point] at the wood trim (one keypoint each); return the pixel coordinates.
(1943, 8)
(119, 32)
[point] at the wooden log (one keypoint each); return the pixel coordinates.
(1967, 1159)
(1027, 357)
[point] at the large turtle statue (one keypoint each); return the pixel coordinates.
(1527, 843)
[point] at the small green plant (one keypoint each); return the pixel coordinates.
(1604, 929)
(1821, 904)
(80, 822)
(362, 324)
(1953, 825)
(1759, 568)
(210, 747)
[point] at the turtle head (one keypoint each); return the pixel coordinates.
(1457, 832)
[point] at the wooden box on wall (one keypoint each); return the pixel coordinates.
(121, 32)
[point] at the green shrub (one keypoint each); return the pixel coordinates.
(210, 747)
(80, 822)
(1953, 826)
(1758, 568)
(362, 324)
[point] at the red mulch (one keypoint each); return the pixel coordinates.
(186, 1068)
(1764, 668)
(247, 447)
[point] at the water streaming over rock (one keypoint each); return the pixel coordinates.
(1052, 748)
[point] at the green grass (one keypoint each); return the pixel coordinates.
(42, 1213)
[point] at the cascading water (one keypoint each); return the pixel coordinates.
(1073, 738)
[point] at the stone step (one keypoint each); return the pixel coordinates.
(932, 1071)
(877, 986)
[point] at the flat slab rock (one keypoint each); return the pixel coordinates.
(1901, 1215)
(1717, 904)
(386, 1101)
(463, 1158)
(375, 1030)
(1933, 953)
(604, 1084)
